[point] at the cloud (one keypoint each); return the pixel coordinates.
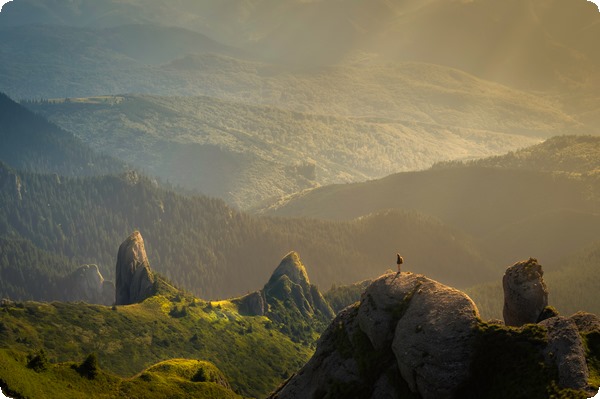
(2, 3)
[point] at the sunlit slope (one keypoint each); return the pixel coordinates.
(318, 130)
(167, 379)
(253, 355)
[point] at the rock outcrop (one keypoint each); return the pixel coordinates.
(410, 336)
(407, 330)
(88, 285)
(565, 351)
(434, 340)
(253, 304)
(288, 290)
(525, 293)
(290, 281)
(135, 281)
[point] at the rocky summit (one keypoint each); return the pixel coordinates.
(135, 281)
(413, 337)
(288, 286)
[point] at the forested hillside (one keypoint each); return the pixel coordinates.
(572, 288)
(208, 248)
(30, 142)
(546, 209)
(317, 133)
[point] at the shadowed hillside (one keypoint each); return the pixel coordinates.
(542, 200)
(205, 246)
(30, 142)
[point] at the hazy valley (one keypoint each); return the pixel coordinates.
(240, 136)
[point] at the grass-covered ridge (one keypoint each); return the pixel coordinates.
(176, 378)
(250, 351)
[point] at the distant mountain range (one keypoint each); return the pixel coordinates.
(370, 89)
(518, 204)
(200, 243)
(533, 43)
(247, 154)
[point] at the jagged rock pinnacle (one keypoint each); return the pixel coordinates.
(135, 281)
(525, 293)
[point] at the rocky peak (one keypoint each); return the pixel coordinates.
(525, 293)
(408, 327)
(288, 293)
(289, 284)
(135, 281)
(410, 336)
(291, 267)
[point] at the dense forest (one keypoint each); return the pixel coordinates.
(210, 249)
(572, 288)
(28, 141)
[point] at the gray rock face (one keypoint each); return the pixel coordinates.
(253, 304)
(586, 322)
(382, 304)
(87, 284)
(525, 293)
(411, 336)
(135, 281)
(328, 365)
(434, 340)
(406, 328)
(565, 350)
(290, 281)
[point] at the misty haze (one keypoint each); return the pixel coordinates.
(299, 199)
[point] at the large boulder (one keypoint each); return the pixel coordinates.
(135, 281)
(408, 333)
(565, 351)
(253, 304)
(412, 337)
(434, 340)
(383, 303)
(88, 285)
(525, 293)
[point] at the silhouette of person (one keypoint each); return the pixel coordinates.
(399, 261)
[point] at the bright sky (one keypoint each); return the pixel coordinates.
(3, 2)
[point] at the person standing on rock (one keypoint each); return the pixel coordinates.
(399, 262)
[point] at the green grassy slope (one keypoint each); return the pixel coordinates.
(250, 351)
(168, 379)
